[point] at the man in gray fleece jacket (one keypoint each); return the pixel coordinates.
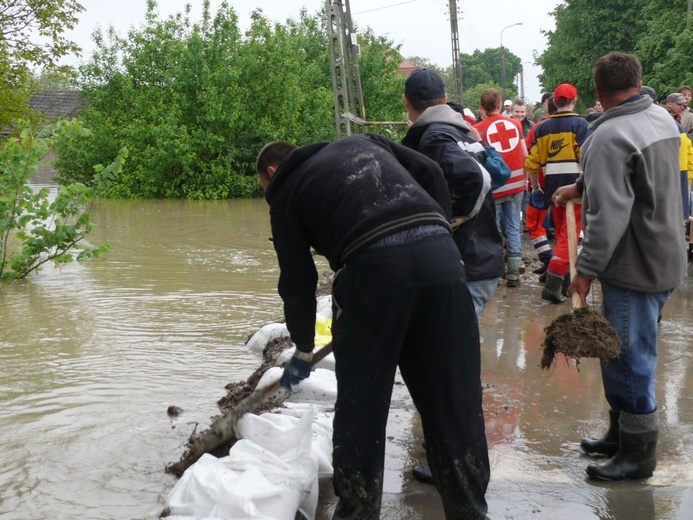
(633, 244)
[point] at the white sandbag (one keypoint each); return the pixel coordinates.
(268, 332)
(316, 396)
(320, 389)
(324, 306)
(208, 489)
(322, 443)
(269, 477)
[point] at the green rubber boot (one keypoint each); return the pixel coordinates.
(512, 276)
(552, 289)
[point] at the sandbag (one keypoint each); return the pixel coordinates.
(269, 474)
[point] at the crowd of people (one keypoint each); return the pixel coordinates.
(420, 234)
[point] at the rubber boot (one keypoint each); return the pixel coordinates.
(543, 275)
(552, 289)
(607, 445)
(637, 452)
(566, 284)
(423, 474)
(512, 277)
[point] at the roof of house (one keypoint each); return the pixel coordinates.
(406, 67)
(58, 103)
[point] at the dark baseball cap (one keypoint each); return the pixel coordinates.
(424, 84)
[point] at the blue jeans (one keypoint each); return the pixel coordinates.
(685, 195)
(629, 380)
(508, 219)
(482, 291)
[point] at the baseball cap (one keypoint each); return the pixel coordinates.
(566, 91)
(507, 102)
(424, 84)
(648, 91)
(677, 98)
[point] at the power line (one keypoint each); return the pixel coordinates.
(387, 6)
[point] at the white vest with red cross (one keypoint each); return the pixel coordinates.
(505, 135)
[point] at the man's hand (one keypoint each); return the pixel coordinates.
(565, 193)
(580, 285)
(536, 199)
(297, 369)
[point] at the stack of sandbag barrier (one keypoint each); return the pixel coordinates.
(272, 472)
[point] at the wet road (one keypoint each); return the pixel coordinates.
(535, 420)
(92, 355)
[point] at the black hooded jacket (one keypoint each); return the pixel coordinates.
(444, 136)
(338, 198)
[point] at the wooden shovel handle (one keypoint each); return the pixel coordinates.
(572, 247)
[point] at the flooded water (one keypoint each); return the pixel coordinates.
(92, 355)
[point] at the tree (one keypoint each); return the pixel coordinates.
(31, 34)
(35, 230)
(194, 102)
(381, 82)
(585, 31)
(665, 47)
(472, 96)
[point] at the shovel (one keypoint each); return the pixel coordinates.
(583, 332)
(576, 301)
(224, 427)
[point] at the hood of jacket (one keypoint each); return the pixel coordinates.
(442, 114)
(290, 163)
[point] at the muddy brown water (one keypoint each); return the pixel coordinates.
(92, 356)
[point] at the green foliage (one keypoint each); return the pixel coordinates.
(485, 67)
(665, 47)
(33, 229)
(194, 102)
(381, 82)
(585, 31)
(32, 33)
(472, 96)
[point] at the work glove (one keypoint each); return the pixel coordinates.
(297, 369)
(536, 199)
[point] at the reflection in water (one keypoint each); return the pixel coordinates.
(92, 355)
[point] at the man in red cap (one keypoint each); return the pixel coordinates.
(556, 151)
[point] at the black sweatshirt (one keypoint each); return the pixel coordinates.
(338, 198)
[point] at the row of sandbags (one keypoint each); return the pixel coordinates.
(272, 472)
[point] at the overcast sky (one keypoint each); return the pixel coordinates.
(421, 26)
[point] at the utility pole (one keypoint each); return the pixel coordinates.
(346, 80)
(456, 67)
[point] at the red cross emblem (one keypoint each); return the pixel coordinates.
(503, 135)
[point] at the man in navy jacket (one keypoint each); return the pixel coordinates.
(379, 212)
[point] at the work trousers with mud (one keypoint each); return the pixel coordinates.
(408, 306)
(560, 261)
(534, 222)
